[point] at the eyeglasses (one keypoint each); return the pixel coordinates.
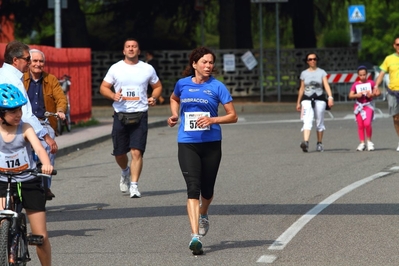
(312, 59)
(27, 59)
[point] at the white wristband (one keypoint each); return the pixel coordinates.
(330, 97)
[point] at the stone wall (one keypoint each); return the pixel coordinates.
(242, 83)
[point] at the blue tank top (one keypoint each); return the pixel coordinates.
(200, 100)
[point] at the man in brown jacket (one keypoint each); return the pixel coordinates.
(45, 94)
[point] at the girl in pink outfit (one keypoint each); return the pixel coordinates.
(363, 92)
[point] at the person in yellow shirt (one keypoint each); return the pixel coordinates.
(391, 66)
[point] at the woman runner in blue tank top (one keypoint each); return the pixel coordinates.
(197, 97)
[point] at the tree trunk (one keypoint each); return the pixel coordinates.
(303, 23)
(235, 24)
(74, 30)
(227, 24)
(243, 24)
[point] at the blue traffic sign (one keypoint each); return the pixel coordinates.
(357, 14)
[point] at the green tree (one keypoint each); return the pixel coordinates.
(228, 24)
(379, 30)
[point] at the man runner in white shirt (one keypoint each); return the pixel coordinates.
(126, 84)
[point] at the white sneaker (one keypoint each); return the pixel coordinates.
(319, 147)
(370, 146)
(134, 192)
(361, 147)
(124, 182)
(203, 225)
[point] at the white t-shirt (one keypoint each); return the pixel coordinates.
(313, 81)
(11, 75)
(133, 80)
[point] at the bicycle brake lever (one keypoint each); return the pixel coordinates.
(47, 114)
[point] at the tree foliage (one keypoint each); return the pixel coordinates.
(157, 24)
(175, 24)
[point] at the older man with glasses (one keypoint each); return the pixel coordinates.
(45, 94)
(16, 62)
(391, 66)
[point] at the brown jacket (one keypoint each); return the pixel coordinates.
(54, 97)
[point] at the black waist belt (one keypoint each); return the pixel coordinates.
(313, 98)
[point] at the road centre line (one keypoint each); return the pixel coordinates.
(243, 120)
(282, 241)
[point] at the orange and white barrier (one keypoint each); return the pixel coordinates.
(345, 77)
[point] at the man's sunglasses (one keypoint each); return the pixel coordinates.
(27, 59)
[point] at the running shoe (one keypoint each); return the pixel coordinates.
(319, 147)
(370, 146)
(134, 192)
(196, 245)
(304, 146)
(361, 147)
(203, 225)
(49, 194)
(125, 182)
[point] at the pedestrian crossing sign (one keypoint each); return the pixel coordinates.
(357, 14)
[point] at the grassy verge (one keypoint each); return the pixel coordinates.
(88, 123)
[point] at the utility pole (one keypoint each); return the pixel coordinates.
(57, 5)
(57, 23)
(261, 47)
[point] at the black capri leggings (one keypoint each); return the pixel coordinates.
(199, 163)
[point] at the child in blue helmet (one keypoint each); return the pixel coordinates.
(16, 141)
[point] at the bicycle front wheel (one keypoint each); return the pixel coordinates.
(4, 230)
(22, 251)
(68, 122)
(60, 126)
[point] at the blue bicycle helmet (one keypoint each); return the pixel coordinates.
(11, 97)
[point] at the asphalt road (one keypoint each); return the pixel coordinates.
(273, 205)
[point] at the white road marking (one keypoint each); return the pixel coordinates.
(267, 259)
(243, 121)
(282, 241)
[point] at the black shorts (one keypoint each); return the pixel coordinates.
(33, 197)
(130, 137)
(199, 163)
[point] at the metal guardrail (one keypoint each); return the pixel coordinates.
(342, 81)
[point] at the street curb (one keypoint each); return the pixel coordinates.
(86, 144)
(79, 146)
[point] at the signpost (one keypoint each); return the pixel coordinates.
(356, 14)
(261, 46)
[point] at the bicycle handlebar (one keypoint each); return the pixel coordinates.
(47, 114)
(35, 172)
